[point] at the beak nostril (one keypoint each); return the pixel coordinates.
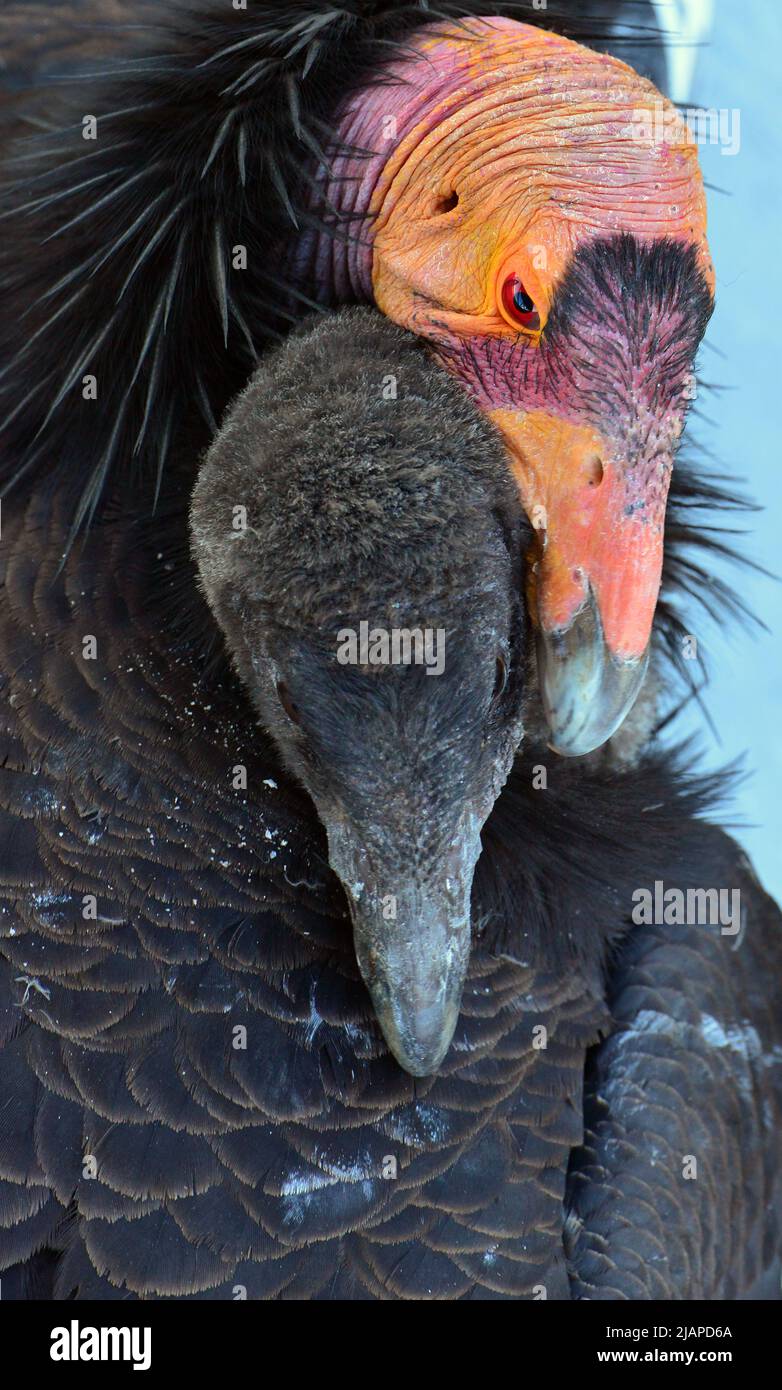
(594, 470)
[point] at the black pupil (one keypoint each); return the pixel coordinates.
(522, 301)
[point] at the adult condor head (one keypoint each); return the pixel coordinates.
(535, 212)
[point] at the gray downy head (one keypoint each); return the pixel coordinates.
(370, 595)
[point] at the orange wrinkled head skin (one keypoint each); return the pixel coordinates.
(529, 147)
(546, 144)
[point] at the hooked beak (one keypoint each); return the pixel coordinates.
(412, 940)
(586, 689)
(595, 574)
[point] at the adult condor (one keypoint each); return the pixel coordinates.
(530, 207)
(306, 965)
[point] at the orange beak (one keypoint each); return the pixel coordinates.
(595, 574)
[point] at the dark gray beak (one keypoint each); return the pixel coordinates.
(587, 691)
(412, 942)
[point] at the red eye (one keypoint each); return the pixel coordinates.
(518, 305)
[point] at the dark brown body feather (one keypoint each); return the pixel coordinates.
(217, 1167)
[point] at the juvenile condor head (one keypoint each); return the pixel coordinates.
(535, 212)
(375, 494)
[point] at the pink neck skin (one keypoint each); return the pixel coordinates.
(376, 121)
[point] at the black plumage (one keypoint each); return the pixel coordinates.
(142, 1153)
(264, 1167)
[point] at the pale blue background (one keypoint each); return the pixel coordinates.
(740, 66)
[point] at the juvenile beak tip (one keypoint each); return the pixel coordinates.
(419, 1038)
(418, 1008)
(414, 961)
(415, 978)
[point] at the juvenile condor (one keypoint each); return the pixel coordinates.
(197, 1090)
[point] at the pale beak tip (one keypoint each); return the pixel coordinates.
(421, 1040)
(586, 690)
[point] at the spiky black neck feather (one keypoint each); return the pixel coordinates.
(118, 256)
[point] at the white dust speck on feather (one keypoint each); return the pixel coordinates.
(739, 1038)
(418, 1125)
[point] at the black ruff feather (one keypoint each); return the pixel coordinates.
(210, 130)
